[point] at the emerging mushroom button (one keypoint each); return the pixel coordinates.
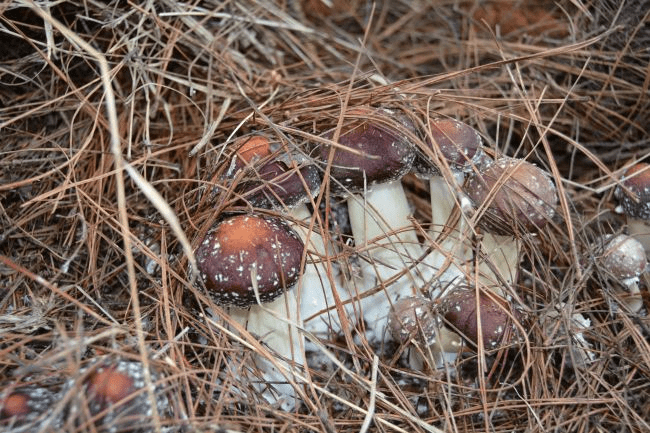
(243, 247)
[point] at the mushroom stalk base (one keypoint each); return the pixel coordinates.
(502, 252)
(388, 244)
(275, 324)
(315, 287)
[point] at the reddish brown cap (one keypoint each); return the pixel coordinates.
(117, 387)
(637, 181)
(25, 404)
(459, 309)
(525, 197)
(623, 257)
(245, 246)
(383, 152)
(108, 386)
(280, 186)
(249, 150)
(457, 142)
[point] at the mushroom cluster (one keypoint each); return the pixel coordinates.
(406, 289)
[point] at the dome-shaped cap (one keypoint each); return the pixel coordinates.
(459, 308)
(249, 246)
(525, 198)
(413, 317)
(114, 384)
(24, 404)
(382, 153)
(249, 150)
(637, 181)
(623, 257)
(457, 142)
(280, 186)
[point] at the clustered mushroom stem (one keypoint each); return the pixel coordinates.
(317, 282)
(277, 324)
(499, 262)
(383, 214)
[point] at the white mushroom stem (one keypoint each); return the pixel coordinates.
(382, 230)
(500, 261)
(640, 230)
(453, 250)
(442, 353)
(317, 301)
(275, 324)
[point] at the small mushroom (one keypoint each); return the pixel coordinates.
(117, 388)
(514, 198)
(414, 320)
(246, 257)
(634, 197)
(485, 314)
(623, 258)
(27, 408)
(371, 156)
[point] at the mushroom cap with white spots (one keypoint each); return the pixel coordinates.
(382, 153)
(460, 307)
(116, 386)
(414, 318)
(457, 142)
(525, 197)
(243, 247)
(637, 181)
(279, 186)
(22, 405)
(623, 257)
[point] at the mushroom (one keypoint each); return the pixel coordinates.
(633, 195)
(514, 198)
(623, 258)
(26, 408)
(278, 186)
(456, 148)
(251, 262)
(367, 163)
(415, 321)
(481, 317)
(116, 388)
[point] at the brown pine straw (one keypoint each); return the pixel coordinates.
(117, 124)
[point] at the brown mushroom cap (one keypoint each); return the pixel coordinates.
(112, 384)
(623, 257)
(24, 404)
(280, 186)
(457, 142)
(413, 318)
(525, 198)
(245, 246)
(249, 150)
(383, 153)
(459, 308)
(637, 181)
